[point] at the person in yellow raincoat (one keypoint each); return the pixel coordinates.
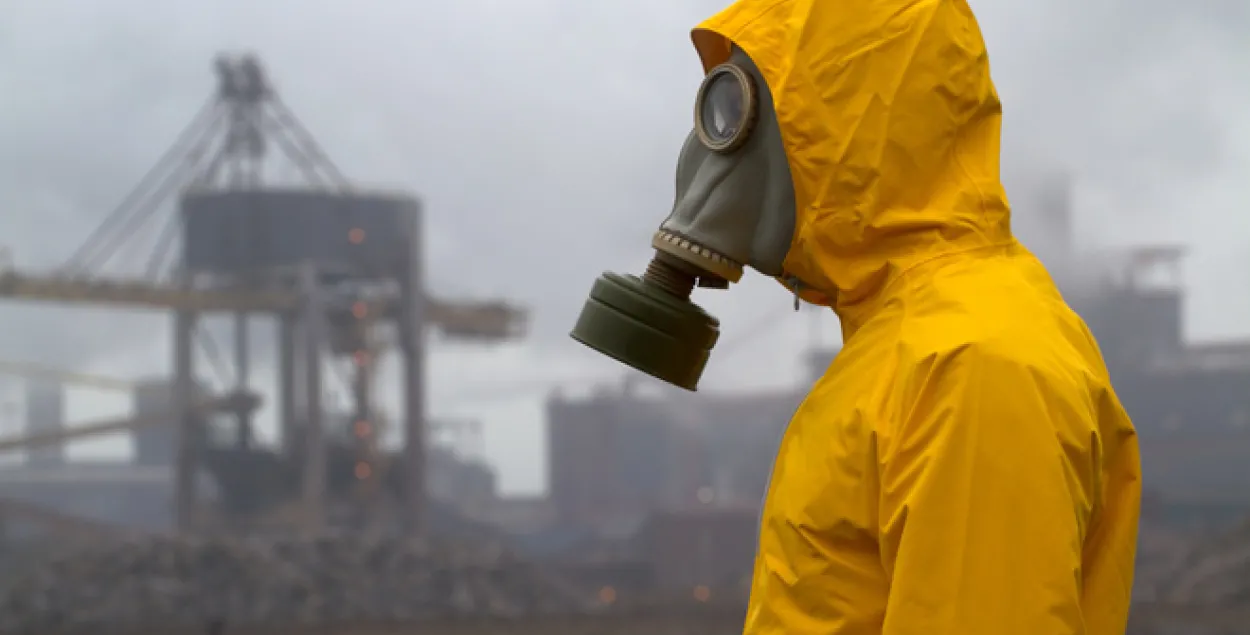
(964, 466)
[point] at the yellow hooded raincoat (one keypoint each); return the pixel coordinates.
(964, 466)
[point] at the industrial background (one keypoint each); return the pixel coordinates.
(650, 519)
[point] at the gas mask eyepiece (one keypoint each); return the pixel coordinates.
(734, 207)
(725, 109)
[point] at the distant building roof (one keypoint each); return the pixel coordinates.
(1212, 357)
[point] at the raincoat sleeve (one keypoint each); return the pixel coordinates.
(983, 508)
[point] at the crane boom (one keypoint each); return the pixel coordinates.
(476, 320)
(138, 294)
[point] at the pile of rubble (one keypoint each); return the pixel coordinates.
(1163, 555)
(170, 582)
(1214, 571)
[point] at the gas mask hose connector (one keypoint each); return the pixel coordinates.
(670, 278)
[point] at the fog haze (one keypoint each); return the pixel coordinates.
(542, 136)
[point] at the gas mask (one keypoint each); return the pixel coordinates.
(734, 208)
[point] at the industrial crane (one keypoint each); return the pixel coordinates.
(224, 146)
(224, 152)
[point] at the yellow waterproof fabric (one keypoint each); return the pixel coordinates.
(964, 467)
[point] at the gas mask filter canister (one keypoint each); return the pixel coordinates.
(649, 322)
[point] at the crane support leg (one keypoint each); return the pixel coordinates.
(314, 476)
(184, 396)
(242, 372)
(412, 346)
(286, 382)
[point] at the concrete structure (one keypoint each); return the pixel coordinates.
(611, 458)
(45, 412)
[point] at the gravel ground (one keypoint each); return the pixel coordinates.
(329, 579)
(252, 585)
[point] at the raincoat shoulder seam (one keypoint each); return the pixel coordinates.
(946, 254)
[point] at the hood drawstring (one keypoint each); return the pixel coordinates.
(794, 286)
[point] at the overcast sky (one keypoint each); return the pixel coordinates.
(542, 135)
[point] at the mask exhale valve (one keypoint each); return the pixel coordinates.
(649, 323)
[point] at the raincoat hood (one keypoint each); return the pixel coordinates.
(891, 126)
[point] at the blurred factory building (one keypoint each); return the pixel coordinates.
(665, 488)
(617, 456)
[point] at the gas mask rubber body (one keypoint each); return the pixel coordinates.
(734, 208)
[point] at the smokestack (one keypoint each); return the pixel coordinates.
(45, 412)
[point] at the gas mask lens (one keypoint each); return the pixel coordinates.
(725, 108)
